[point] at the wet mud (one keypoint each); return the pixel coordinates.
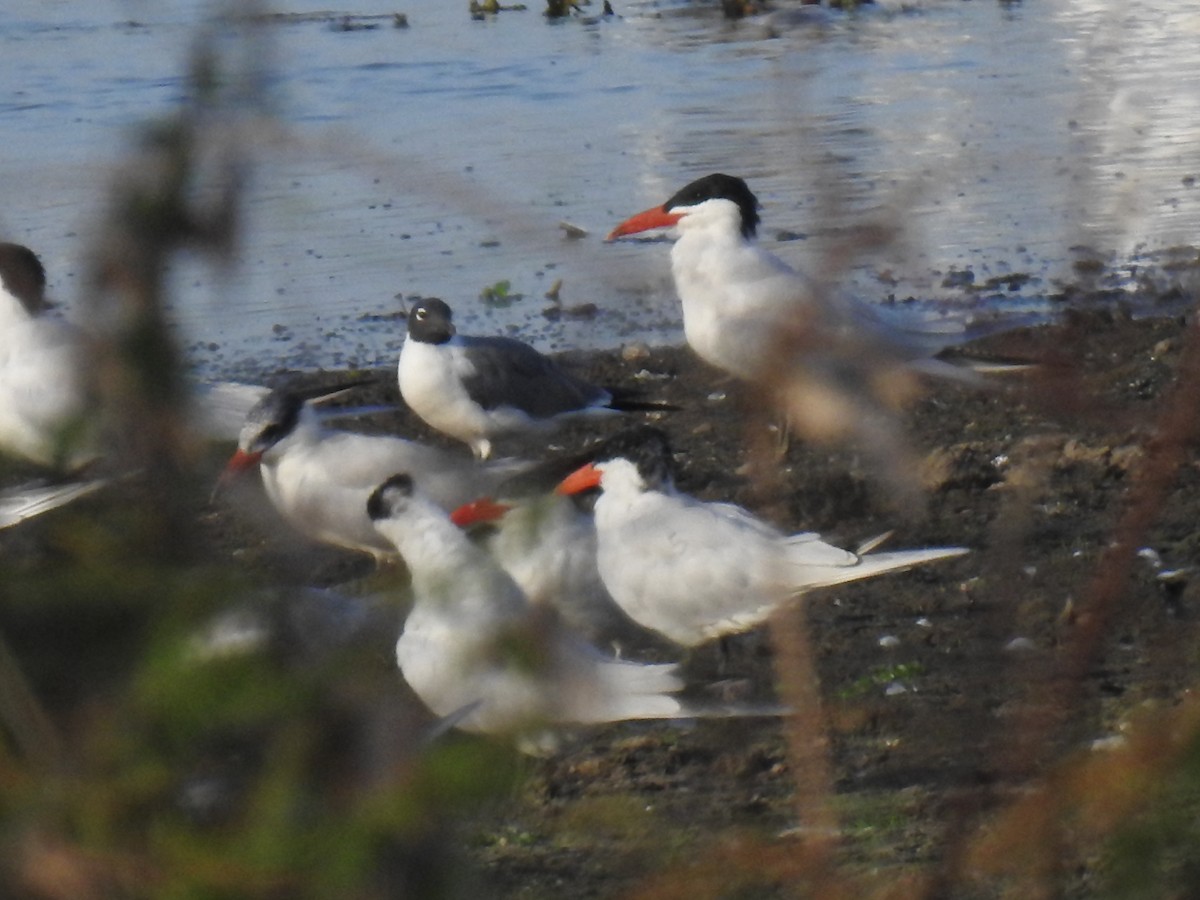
(931, 682)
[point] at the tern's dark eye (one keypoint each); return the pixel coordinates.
(271, 435)
(420, 313)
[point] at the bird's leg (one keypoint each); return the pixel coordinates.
(783, 438)
(724, 652)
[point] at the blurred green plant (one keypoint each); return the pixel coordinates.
(881, 677)
(133, 763)
(499, 295)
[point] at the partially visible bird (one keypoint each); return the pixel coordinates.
(547, 543)
(43, 399)
(319, 478)
(694, 571)
(473, 642)
(548, 546)
(26, 501)
(476, 389)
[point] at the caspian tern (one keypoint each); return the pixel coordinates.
(478, 388)
(42, 392)
(42, 389)
(472, 637)
(547, 545)
(836, 365)
(694, 571)
(45, 415)
(739, 300)
(319, 478)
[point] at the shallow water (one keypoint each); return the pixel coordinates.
(441, 158)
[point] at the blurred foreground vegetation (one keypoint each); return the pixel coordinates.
(143, 759)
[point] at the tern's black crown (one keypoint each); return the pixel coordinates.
(720, 187)
(23, 275)
(383, 500)
(275, 416)
(647, 448)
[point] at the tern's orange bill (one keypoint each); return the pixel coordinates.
(644, 221)
(240, 462)
(485, 509)
(582, 479)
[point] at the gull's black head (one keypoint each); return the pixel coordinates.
(720, 187)
(647, 448)
(389, 497)
(429, 322)
(23, 275)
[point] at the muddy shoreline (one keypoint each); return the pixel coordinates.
(930, 680)
(928, 677)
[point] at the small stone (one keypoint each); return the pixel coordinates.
(889, 642)
(1174, 576)
(647, 375)
(1162, 348)
(1150, 555)
(635, 352)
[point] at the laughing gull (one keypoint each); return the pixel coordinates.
(477, 388)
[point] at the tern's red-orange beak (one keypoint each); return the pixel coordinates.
(485, 509)
(644, 221)
(582, 479)
(240, 462)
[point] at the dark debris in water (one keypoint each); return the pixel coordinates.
(579, 311)
(784, 235)
(337, 21)
(481, 9)
(959, 278)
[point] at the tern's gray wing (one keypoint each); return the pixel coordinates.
(510, 373)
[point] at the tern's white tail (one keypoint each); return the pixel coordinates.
(638, 691)
(816, 564)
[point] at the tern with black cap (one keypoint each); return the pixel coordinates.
(694, 570)
(472, 640)
(319, 478)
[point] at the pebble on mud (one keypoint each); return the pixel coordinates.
(635, 352)
(1020, 645)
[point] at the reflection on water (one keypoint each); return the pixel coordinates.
(441, 159)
